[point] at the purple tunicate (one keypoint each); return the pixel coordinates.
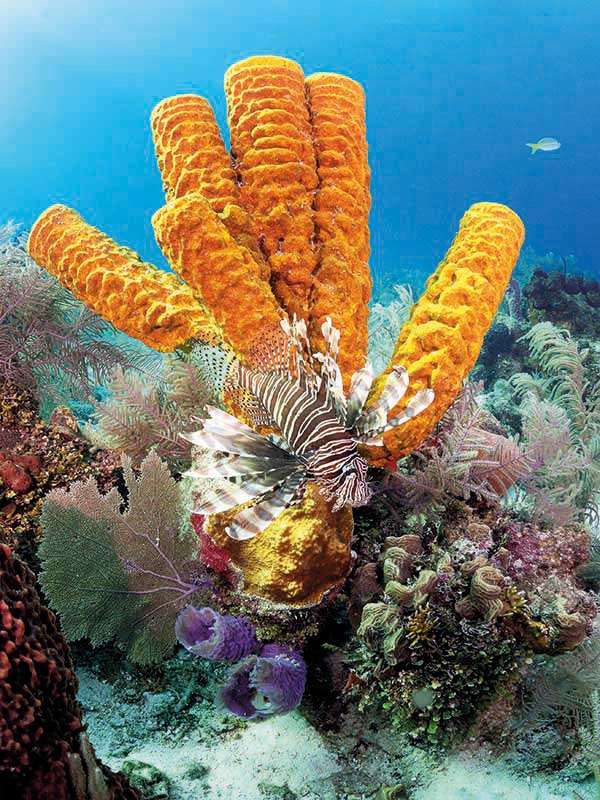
(210, 635)
(269, 683)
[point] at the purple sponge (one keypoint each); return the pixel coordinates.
(210, 635)
(269, 683)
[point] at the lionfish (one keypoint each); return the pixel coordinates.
(318, 432)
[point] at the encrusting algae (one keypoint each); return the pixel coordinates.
(281, 226)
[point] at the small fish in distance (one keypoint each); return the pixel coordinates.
(547, 144)
(319, 429)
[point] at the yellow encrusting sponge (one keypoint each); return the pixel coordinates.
(342, 279)
(301, 556)
(223, 275)
(147, 303)
(273, 155)
(442, 339)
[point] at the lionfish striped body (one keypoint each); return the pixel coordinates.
(319, 430)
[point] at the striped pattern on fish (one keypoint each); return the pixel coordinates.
(319, 432)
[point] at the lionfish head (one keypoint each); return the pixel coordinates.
(350, 485)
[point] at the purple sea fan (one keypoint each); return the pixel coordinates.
(270, 683)
(208, 634)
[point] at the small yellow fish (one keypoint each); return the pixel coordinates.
(546, 144)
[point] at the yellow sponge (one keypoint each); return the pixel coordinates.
(342, 280)
(298, 558)
(273, 155)
(147, 303)
(442, 339)
(223, 275)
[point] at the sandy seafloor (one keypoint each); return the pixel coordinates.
(203, 753)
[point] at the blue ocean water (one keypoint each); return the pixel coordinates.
(455, 89)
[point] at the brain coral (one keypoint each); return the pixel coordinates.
(43, 752)
(280, 225)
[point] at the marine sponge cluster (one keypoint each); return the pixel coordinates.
(43, 752)
(484, 591)
(280, 226)
(269, 679)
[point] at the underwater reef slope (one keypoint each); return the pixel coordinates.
(280, 226)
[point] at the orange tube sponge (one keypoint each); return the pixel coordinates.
(342, 280)
(272, 149)
(147, 303)
(224, 275)
(298, 558)
(190, 151)
(442, 339)
(192, 157)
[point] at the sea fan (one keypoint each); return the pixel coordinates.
(144, 412)
(51, 343)
(121, 574)
(467, 455)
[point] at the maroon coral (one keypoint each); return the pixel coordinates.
(43, 752)
(210, 554)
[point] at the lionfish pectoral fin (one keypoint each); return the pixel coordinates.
(233, 465)
(252, 521)
(224, 433)
(360, 386)
(372, 434)
(226, 494)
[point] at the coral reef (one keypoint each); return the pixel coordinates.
(44, 754)
(484, 590)
(284, 230)
(568, 301)
(35, 458)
